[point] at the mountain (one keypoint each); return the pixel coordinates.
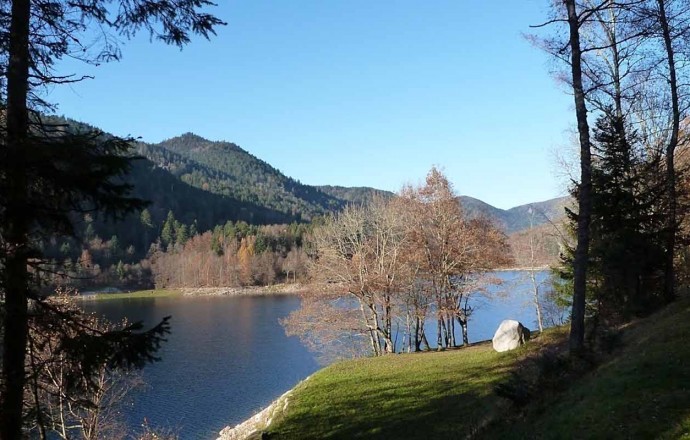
(355, 195)
(205, 183)
(257, 188)
(226, 169)
(518, 218)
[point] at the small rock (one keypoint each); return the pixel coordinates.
(510, 335)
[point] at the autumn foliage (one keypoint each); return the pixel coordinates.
(399, 262)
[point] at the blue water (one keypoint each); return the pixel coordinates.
(228, 357)
(513, 298)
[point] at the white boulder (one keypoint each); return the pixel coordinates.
(510, 335)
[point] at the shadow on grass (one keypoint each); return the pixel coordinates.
(384, 408)
(640, 390)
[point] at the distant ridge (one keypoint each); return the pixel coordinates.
(518, 218)
(224, 168)
(216, 181)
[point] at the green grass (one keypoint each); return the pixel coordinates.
(424, 395)
(138, 294)
(642, 390)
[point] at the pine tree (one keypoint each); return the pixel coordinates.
(167, 234)
(181, 234)
(48, 174)
(627, 232)
(627, 229)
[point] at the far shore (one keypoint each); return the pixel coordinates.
(275, 289)
(522, 268)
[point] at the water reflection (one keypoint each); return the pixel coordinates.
(225, 359)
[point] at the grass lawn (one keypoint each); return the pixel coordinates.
(424, 395)
(138, 294)
(642, 390)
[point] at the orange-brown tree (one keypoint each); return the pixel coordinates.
(397, 260)
(449, 250)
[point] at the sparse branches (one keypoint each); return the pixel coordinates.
(393, 262)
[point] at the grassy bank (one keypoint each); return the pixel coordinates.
(640, 390)
(138, 294)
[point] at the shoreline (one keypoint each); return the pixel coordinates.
(523, 268)
(275, 289)
(261, 420)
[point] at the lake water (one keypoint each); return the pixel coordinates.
(228, 357)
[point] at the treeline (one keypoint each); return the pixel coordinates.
(236, 254)
(229, 255)
(387, 267)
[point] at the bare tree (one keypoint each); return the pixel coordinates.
(361, 249)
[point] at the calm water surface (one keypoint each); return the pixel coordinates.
(225, 359)
(228, 357)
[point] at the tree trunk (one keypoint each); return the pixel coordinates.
(465, 336)
(16, 277)
(581, 260)
(537, 302)
(417, 340)
(372, 334)
(669, 279)
(451, 324)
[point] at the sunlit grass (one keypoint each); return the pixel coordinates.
(642, 390)
(424, 395)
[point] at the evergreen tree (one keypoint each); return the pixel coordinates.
(627, 229)
(167, 234)
(181, 234)
(47, 173)
(120, 270)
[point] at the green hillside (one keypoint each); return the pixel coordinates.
(226, 169)
(639, 390)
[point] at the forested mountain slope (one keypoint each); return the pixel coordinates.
(226, 169)
(196, 185)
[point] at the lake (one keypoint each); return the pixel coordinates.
(228, 357)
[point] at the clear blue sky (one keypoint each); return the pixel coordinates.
(352, 93)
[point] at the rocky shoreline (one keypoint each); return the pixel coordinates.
(260, 421)
(276, 289)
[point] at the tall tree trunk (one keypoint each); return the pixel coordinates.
(16, 276)
(581, 260)
(537, 302)
(669, 279)
(417, 340)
